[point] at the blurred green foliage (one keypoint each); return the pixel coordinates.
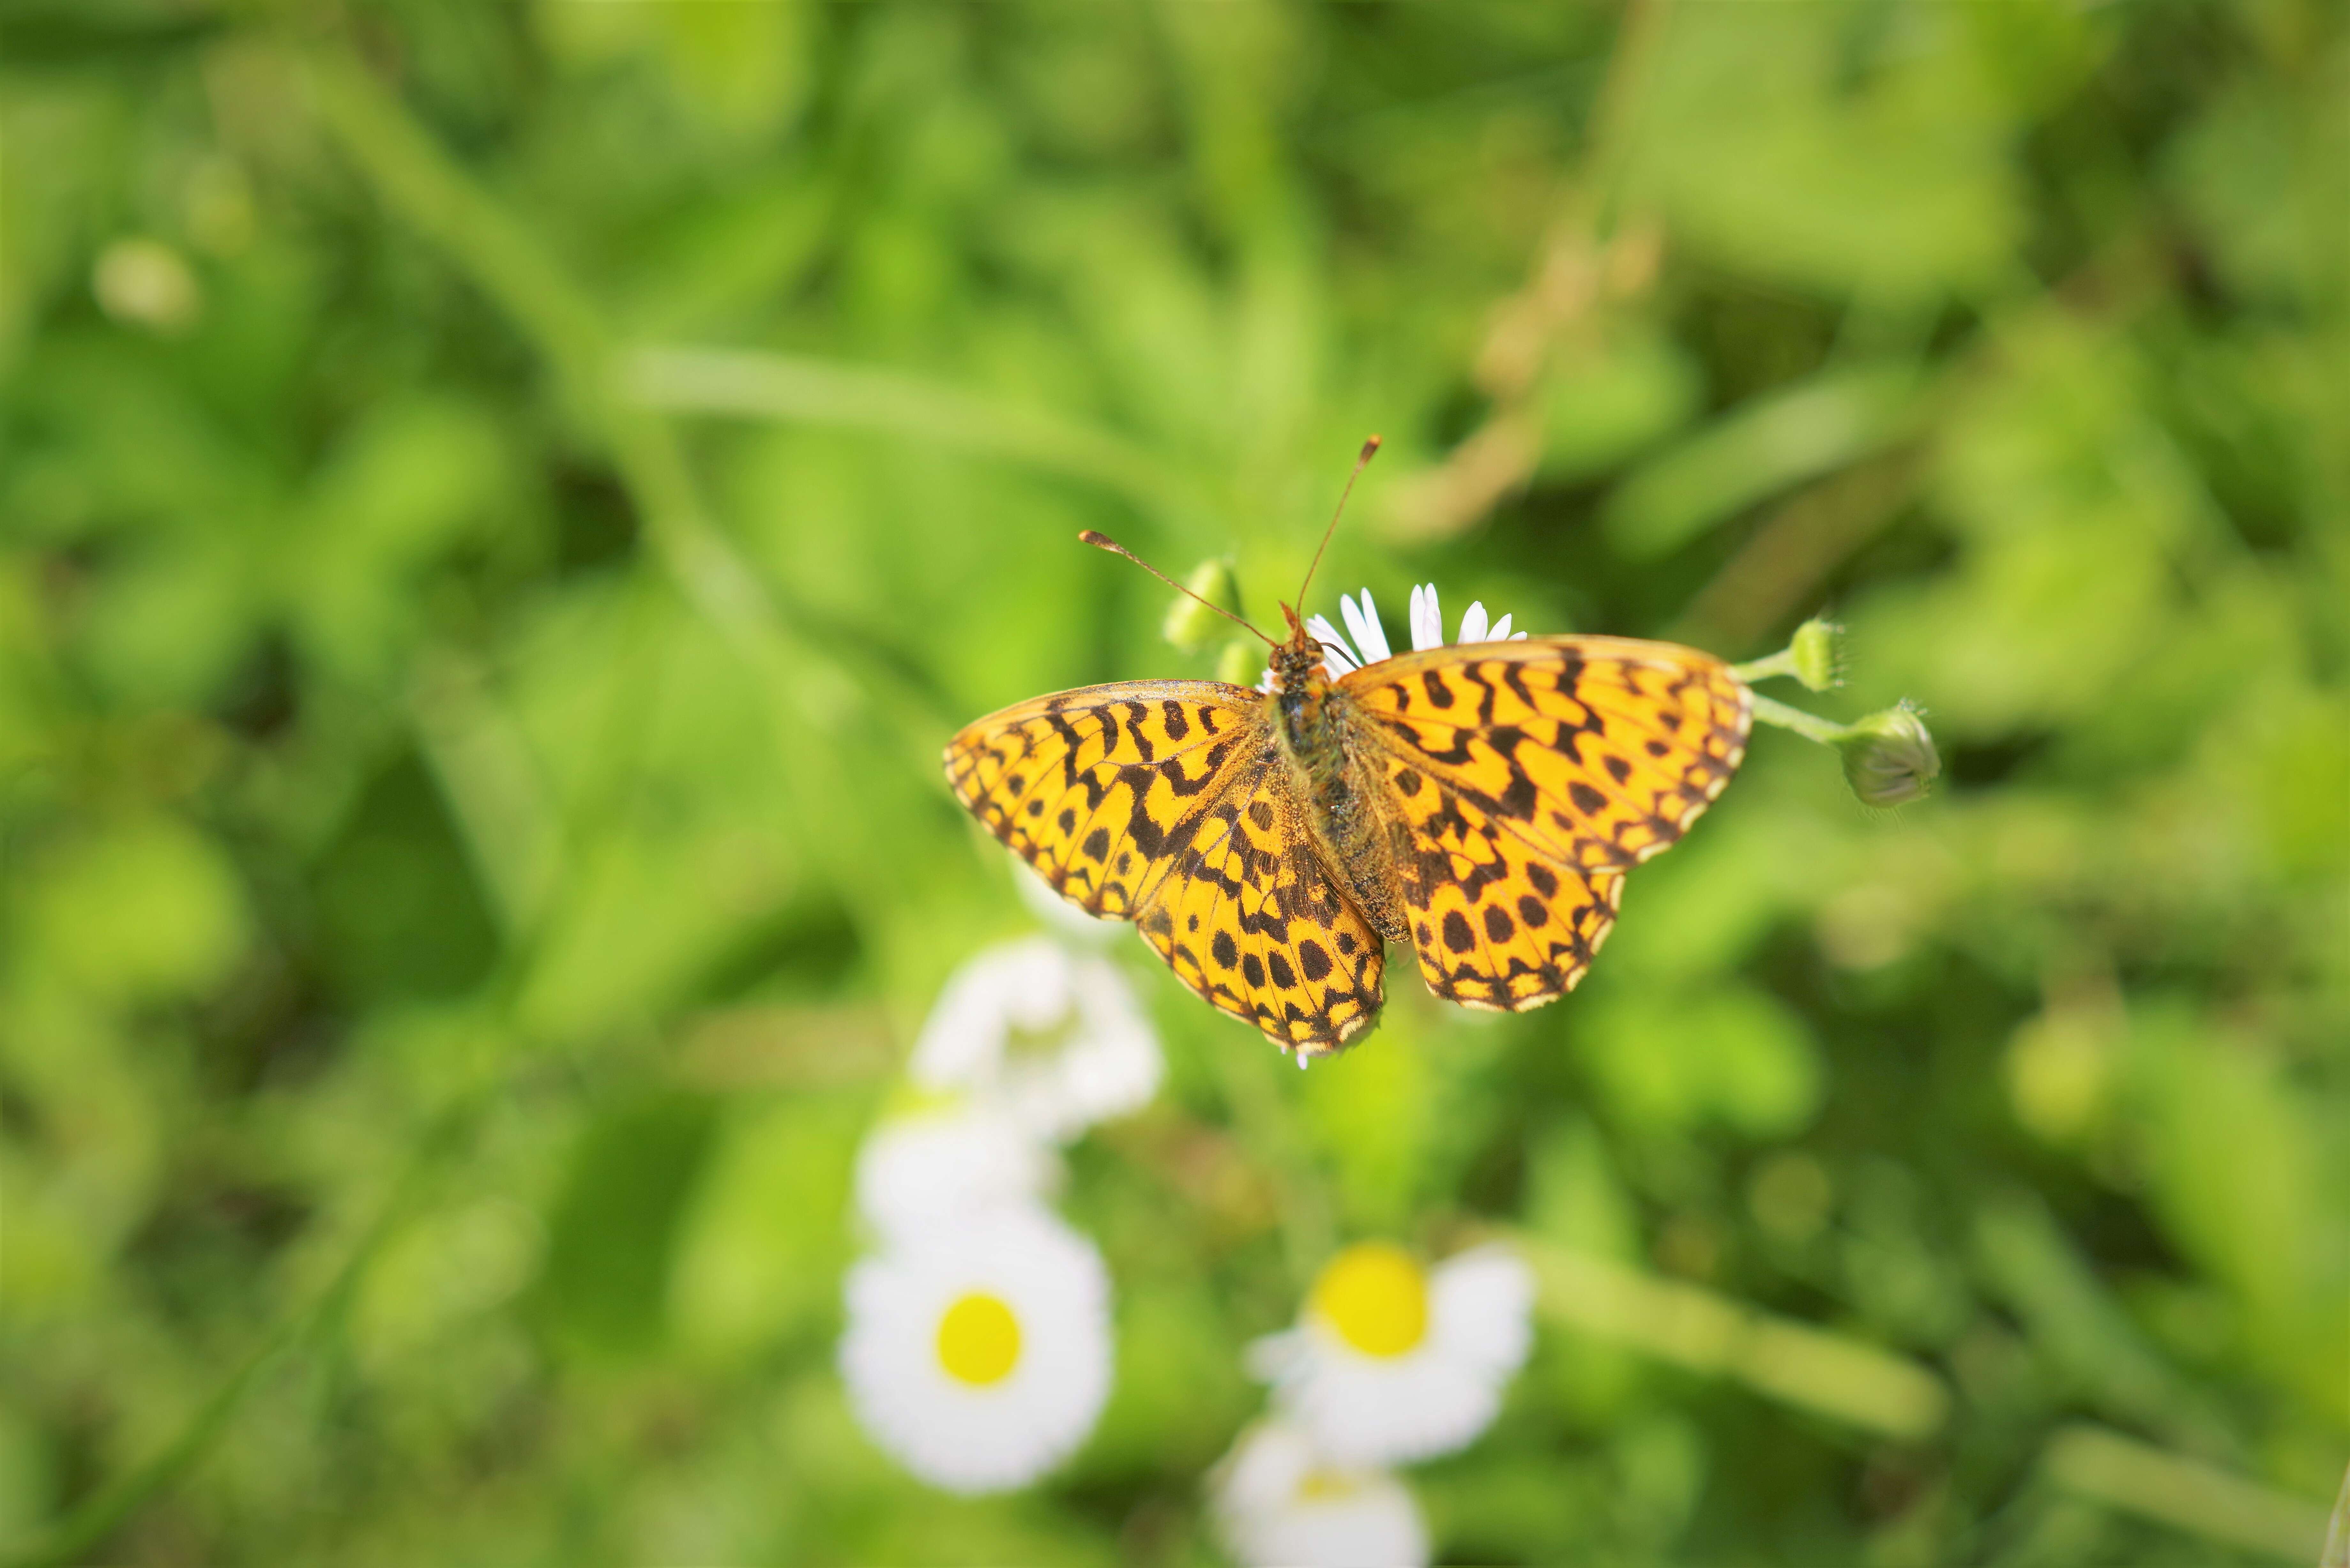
(472, 851)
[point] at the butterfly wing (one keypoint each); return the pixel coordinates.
(1249, 917)
(1095, 788)
(1165, 802)
(1526, 777)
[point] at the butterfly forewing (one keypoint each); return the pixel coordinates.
(1095, 788)
(1597, 751)
(1525, 777)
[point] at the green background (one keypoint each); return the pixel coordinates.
(500, 506)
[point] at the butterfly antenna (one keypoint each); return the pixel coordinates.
(1104, 541)
(1370, 448)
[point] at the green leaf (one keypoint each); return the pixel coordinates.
(603, 1290)
(1757, 450)
(145, 910)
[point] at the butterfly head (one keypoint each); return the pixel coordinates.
(1297, 663)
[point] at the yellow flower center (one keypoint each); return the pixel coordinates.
(1325, 1486)
(1376, 1297)
(979, 1340)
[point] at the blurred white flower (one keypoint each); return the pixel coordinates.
(1280, 1504)
(1063, 919)
(1052, 1038)
(981, 1357)
(1390, 1362)
(1369, 644)
(940, 1160)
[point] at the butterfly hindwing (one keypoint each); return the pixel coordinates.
(1497, 923)
(1166, 803)
(1249, 917)
(1524, 779)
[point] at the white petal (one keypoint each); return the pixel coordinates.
(1427, 621)
(1103, 1060)
(1517, 637)
(1377, 1523)
(1335, 650)
(1480, 1304)
(1264, 1469)
(1273, 1356)
(1278, 1502)
(1473, 623)
(1385, 1410)
(945, 1166)
(1363, 620)
(1500, 632)
(1352, 616)
(961, 1043)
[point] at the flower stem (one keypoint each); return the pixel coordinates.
(1780, 663)
(1811, 726)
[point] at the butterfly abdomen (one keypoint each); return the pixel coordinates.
(1336, 788)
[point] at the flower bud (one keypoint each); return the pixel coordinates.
(1818, 653)
(1190, 625)
(1242, 663)
(1889, 757)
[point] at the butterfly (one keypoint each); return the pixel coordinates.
(1480, 802)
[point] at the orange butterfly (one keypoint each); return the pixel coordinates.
(1480, 802)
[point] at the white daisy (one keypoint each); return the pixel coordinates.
(981, 1359)
(1055, 1039)
(1390, 1362)
(1369, 644)
(1279, 1503)
(940, 1160)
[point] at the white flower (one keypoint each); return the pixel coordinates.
(1055, 1039)
(1370, 638)
(1063, 919)
(1391, 1363)
(939, 1161)
(1278, 1503)
(981, 1359)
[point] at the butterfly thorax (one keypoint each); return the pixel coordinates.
(1312, 720)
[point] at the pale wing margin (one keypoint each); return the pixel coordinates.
(1098, 788)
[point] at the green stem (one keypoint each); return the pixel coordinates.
(1811, 726)
(1780, 663)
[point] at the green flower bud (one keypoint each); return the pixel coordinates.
(1889, 757)
(1242, 663)
(1192, 626)
(1817, 654)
